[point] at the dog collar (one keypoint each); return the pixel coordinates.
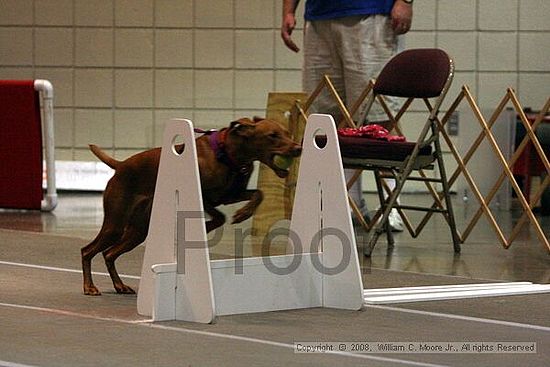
(217, 143)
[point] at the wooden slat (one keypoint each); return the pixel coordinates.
(278, 193)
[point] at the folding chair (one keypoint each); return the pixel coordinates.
(412, 74)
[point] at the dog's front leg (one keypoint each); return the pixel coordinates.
(254, 198)
(217, 217)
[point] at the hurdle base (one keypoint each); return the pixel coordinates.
(249, 285)
(164, 291)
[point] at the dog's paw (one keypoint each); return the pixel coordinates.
(92, 291)
(241, 215)
(124, 289)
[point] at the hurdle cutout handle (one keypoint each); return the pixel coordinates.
(324, 273)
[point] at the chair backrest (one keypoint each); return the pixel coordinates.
(416, 73)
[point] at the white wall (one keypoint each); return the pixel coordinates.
(121, 68)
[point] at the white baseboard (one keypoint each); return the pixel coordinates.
(93, 176)
(82, 176)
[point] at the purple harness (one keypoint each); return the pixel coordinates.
(243, 172)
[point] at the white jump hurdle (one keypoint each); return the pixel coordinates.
(180, 282)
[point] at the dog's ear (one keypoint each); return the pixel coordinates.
(243, 127)
(243, 120)
(258, 118)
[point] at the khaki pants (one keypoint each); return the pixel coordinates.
(351, 51)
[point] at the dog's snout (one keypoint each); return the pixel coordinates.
(294, 150)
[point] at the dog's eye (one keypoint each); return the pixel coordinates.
(274, 135)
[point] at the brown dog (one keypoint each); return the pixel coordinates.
(225, 163)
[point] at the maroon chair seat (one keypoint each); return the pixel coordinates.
(368, 148)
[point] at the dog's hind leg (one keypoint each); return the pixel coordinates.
(115, 211)
(131, 238)
(102, 241)
(134, 234)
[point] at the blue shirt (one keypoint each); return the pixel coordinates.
(332, 9)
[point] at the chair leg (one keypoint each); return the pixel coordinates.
(382, 200)
(388, 205)
(446, 192)
(354, 206)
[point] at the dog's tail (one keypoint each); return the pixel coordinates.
(108, 160)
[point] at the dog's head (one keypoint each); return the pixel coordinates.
(263, 140)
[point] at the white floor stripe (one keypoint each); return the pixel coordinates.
(421, 294)
(463, 318)
(213, 335)
(11, 364)
(71, 313)
(448, 288)
(66, 270)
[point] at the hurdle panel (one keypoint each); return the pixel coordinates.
(328, 276)
(321, 214)
(177, 194)
(21, 172)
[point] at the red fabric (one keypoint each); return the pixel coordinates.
(373, 131)
(20, 145)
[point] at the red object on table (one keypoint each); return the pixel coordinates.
(373, 131)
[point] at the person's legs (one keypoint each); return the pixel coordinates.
(365, 45)
(351, 51)
(320, 59)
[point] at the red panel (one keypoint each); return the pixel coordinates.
(20, 145)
